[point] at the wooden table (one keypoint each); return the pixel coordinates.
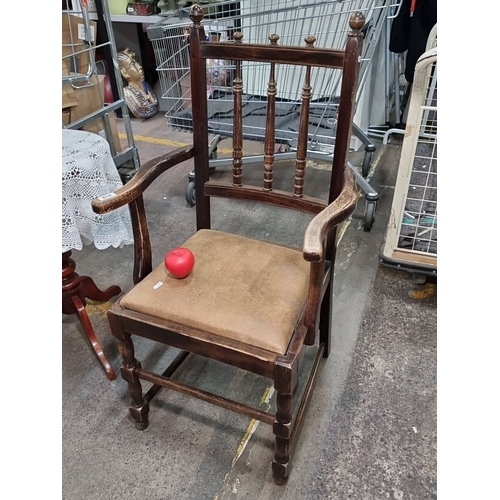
(88, 172)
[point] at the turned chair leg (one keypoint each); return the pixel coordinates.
(282, 431)
(139, 408)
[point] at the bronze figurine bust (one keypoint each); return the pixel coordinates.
(139, 96)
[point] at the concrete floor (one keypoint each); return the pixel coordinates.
(370, 432)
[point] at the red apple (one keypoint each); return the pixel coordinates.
(179, 262)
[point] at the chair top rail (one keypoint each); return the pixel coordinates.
(326, 58)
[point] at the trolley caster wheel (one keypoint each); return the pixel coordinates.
(213, 156)
(367, 163)
(419, 278)
(190, 194)
(369, 215)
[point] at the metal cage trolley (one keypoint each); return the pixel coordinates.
(292, 21)
(411, 236)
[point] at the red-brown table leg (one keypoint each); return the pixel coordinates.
(75, 289)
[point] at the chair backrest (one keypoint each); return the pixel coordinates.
(237, 52)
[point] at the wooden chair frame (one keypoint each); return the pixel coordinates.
(319, 242)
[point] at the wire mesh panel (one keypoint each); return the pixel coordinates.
(411, 239)
(292, 20)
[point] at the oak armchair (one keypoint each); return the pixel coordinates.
(248, 303)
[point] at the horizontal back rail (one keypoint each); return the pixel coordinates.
(324, 58)
(284, 199)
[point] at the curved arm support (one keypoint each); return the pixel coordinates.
(314, 248)
(132, 195)
(328, 218)
(146, 174)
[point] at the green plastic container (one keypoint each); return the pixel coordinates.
(118, 6)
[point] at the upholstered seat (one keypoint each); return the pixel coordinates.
(251, 276)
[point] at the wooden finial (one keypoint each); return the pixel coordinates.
(274, 38)
(357, 21)
(310, 40)
(238, 36)
(196, 14)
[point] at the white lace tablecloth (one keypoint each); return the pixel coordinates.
(88, 172)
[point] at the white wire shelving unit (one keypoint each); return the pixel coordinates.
(411, 236)
(83, 47)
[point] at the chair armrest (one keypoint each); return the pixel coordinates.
(330, 217)
(146, 174)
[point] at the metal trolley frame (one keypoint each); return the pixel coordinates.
(126, 160)
(292, 20)
(411, 237)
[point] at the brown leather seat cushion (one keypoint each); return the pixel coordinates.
(242, 289)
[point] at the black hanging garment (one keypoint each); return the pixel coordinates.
(410, 30)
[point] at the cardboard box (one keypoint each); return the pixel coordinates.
(74, 38)
(90, 98)
(98, 128)
(68, 94)
(66, 116)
